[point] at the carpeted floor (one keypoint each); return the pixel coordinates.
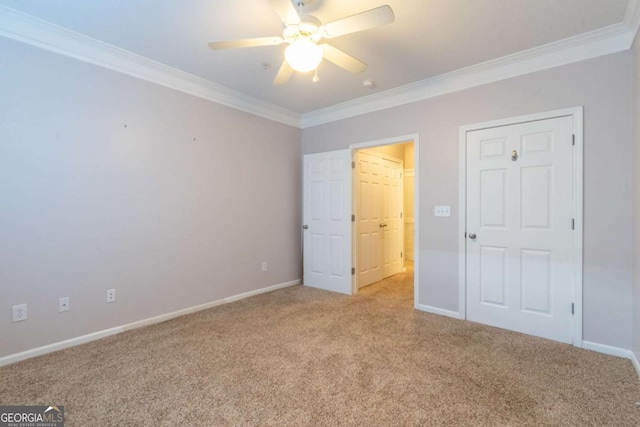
(305, 357)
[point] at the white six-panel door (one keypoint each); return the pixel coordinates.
(391, 218)
(327, 221)
(368, 218)
(379, 227)
(519, 227)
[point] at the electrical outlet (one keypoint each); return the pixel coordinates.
(64, 304)
(111, 295)
(19, 312)
(264, 266)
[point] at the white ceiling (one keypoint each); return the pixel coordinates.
(428, 38)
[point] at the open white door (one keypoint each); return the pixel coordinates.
(327, 220)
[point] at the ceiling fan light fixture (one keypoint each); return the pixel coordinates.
(303, 55)
(302, 33)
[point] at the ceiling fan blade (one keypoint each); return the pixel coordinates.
(260, 41)
(342, 59)
(284, 74)
(361, 21)
(286, 11)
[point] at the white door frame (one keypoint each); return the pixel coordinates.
(416, 241)
(577, 115)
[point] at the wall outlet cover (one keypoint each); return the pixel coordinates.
(111, 295)
(64, 304)
(19, 312)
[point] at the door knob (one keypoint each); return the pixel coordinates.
(383, 225)
(472, 236)
(305, 226)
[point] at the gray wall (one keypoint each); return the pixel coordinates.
(636, 199)
(89, 204)
(603, 87)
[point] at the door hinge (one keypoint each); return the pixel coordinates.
(400, 215)
(400, 254)
(353, 218)
(573, 139)
(573, 223)
(353, 271)
(573, 308)
(353, 165)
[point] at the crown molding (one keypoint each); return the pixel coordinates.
(632, 17)
(603, 41)
(28, 29)
(45, 35)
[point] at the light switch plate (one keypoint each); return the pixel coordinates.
(442, 211)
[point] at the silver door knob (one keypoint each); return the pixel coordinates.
(472, 236)
(305, 226)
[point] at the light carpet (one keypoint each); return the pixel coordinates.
(305, 357)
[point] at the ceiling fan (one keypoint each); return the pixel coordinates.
(303, 32)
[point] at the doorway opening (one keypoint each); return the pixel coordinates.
(384, 206)
(329, 217)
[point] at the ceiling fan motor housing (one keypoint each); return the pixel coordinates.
(307, 28)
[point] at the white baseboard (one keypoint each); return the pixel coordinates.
(12, 358)
(613, 351)
(587, 345)
(636, 363)
(440, 311)
(607, 349)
